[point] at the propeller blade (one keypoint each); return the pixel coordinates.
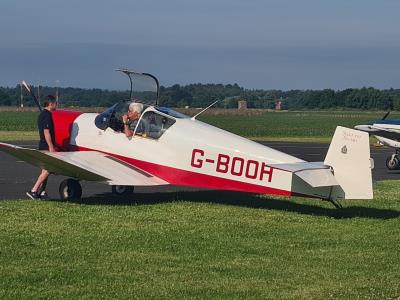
(26, 86)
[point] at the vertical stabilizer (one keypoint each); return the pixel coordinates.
(349, 156)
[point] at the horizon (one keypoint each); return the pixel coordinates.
(196, 83)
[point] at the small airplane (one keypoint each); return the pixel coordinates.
(179, 150)
(387, 132)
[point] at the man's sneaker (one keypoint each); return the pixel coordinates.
(43, 195)
(32, 195)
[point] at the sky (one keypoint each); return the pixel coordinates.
(269, 44)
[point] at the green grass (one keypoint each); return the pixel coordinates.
(18, 121)
(313, 126)
(18, 126)
(203, 245)
(18, 136)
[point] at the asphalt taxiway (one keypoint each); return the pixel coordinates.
(16, 176)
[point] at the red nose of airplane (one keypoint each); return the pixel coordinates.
(63, 122)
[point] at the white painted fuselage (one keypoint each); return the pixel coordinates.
(193, 153)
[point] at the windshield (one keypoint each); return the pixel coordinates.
(153, 125)
(103, 120)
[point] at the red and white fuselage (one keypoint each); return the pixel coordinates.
(193, 153)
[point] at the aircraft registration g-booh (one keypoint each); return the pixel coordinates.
(176, 149)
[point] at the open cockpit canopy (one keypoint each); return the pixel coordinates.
(145, 90)
(144, 87)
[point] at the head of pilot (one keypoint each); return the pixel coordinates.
(50, 103)
(134, 110)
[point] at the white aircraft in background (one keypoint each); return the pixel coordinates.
(387, 132)
(180, 150)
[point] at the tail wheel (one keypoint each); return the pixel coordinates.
(122, 190)
(70, 189)
(392, 163)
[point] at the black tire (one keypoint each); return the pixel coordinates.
(70, 189)
(122, 190)
(392, 164)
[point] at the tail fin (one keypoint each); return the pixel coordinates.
(349, 156)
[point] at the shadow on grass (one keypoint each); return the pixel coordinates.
(243, 200)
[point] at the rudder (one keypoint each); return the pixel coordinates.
(349, 157)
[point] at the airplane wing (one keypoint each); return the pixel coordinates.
(390, 133)
(85, 165)
(377, 127)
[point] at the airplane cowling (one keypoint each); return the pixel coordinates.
(63, 120)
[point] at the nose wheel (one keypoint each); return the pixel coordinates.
(122, 190)
(392, 162)
(70, 189)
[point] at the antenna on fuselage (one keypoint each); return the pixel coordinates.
(212, 104)
(386, 115)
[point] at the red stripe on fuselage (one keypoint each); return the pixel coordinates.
(63, 121)
(188, 178)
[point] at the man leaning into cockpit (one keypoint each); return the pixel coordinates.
(131, 119)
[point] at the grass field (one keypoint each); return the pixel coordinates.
(313, 126)
(287, 126)
(19, 126)
(202, 245)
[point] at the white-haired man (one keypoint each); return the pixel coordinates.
(131, 119)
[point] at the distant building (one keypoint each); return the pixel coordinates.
(278, 105)
(242, 104)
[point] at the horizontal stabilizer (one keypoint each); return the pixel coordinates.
(318, 178)
(316, 174)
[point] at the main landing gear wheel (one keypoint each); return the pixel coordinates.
(122, 190)
(392, 162)
(70, 189)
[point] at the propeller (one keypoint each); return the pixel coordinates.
(26, 86)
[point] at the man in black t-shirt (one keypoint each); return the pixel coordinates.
(47, 142)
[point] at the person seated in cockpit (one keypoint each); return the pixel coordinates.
(131, 119)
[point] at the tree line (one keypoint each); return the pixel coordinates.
(201, 95)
